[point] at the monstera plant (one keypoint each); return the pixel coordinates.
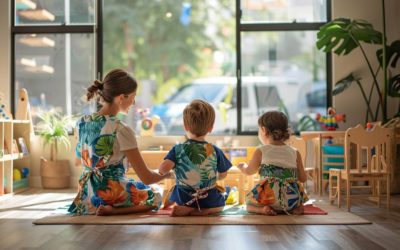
(342, 36)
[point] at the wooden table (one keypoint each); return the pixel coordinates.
(308, 135)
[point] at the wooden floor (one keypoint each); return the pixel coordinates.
(18, 232)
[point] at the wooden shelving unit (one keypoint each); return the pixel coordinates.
(9, 160)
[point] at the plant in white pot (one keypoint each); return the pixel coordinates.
(53, 131)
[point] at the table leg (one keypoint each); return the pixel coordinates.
(241, 189)
(319, 166)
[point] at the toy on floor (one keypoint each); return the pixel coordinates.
(329, 121)
(233, 196)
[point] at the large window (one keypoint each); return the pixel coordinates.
(278, 59)
(54, 53)
(179, 51)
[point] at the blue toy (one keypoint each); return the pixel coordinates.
(25, 172)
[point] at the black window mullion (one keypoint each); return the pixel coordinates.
(279, 26)
(63, 29)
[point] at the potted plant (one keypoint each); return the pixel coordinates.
(53, 131)
(342, 36)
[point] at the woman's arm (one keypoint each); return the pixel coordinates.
(300, 169)
(254, 164)
(146, 175)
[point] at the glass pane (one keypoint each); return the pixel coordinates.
(55, 69)
(283, 10)
(281, 76)
(55, 12)
(175, 55)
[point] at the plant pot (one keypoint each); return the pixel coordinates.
(55, 174)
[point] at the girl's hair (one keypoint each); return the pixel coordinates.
(115, 83)
(199, 117)
(276, 124)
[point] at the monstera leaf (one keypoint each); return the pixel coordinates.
(344, 83)
(394, 86)
(342, 35)
(196, 152)
(392, 54)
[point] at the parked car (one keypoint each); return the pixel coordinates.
(259, 94)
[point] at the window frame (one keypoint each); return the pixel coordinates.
(96, 29)
(276, 26)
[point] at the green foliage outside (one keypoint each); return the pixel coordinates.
(148, 39)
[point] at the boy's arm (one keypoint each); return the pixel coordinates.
(254, 164)
(166, 166)
(300, 169)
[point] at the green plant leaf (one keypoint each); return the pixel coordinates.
(306, 123)
(196, 152)
(392, 54)
(343, 84)
(394, 86)
(342, 35)
(52, 128)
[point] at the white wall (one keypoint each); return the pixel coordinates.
(5, 49)
(351, 102)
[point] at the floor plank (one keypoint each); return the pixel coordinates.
(18, 232)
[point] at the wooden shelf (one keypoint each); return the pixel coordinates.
(11, 130)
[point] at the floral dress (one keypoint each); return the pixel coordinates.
(103, 182)
(278, 187)
(196, 166)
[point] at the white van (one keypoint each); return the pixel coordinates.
(259, 94)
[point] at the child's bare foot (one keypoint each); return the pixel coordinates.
(299, 210)
(268, 211)
(181, 210)
(206, 211)
(104, 210)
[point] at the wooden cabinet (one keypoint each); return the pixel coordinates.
(14, 155)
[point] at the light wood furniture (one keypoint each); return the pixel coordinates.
(317, 137)
(301, 145)
(376, 169)
(9, 160)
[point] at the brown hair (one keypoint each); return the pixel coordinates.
(276, 124)
(199, 117)
(115, 83)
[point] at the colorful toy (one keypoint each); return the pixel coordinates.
(329, 122)
(233, 196)
(147, 123)
(4, 113)
(17, 174)
(25, 172)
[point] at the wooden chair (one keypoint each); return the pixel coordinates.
(376, 145)
(311, 172)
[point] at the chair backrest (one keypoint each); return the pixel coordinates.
(301, 146)
(374, 143)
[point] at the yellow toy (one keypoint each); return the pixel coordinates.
(233, 197)
(17, 174)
